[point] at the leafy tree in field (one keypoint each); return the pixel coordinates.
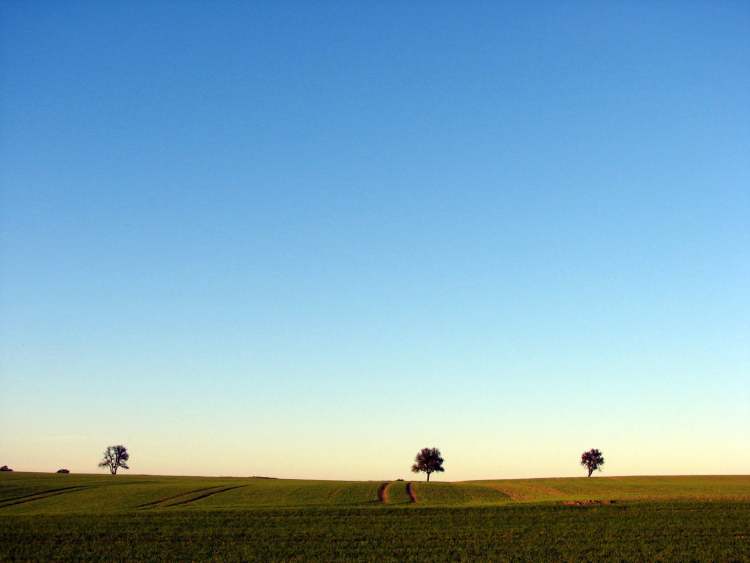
(5, 468)
(428, 461)
(114, 458)
(592, 460)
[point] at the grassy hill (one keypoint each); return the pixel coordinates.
(41, 493)
(51, 516)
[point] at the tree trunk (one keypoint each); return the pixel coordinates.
(590, 471)
(428, 477)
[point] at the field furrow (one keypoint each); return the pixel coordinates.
(165, 500)
(201, 496)
(40, 496)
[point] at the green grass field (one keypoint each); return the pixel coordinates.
(50, 516)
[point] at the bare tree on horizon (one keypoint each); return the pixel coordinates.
(115, 457)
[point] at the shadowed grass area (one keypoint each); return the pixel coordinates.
(97, 493)
(292, 492)
(638, 532)
(104, 493)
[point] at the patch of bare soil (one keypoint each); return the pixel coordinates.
(411, 492)
(383, 492)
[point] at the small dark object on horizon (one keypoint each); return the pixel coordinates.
(66, 471)
(589, 502)
(5, 468)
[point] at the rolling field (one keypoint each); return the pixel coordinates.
(49, 516)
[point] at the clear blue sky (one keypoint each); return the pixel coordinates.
(308, 239)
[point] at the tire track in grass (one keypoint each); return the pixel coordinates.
(383, 496)
(41, 496)
(153, 503)
(411, 492)
(47, 491)
(204, 495)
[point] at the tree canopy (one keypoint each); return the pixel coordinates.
(115, 457)
(592, 460)
(428, 460)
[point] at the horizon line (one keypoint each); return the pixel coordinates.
(104, 474)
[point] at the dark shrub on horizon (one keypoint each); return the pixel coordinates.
(63, 471)
(5, 468)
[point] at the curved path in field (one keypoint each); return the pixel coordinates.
(31, 497)
(188, 497)
(205, 495)
(173, 497)
(383, 492)
(411, 492)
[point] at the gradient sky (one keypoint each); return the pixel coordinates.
(307, 239)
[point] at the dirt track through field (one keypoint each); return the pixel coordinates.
(40, 496)
(383, 492)
(411, 492)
